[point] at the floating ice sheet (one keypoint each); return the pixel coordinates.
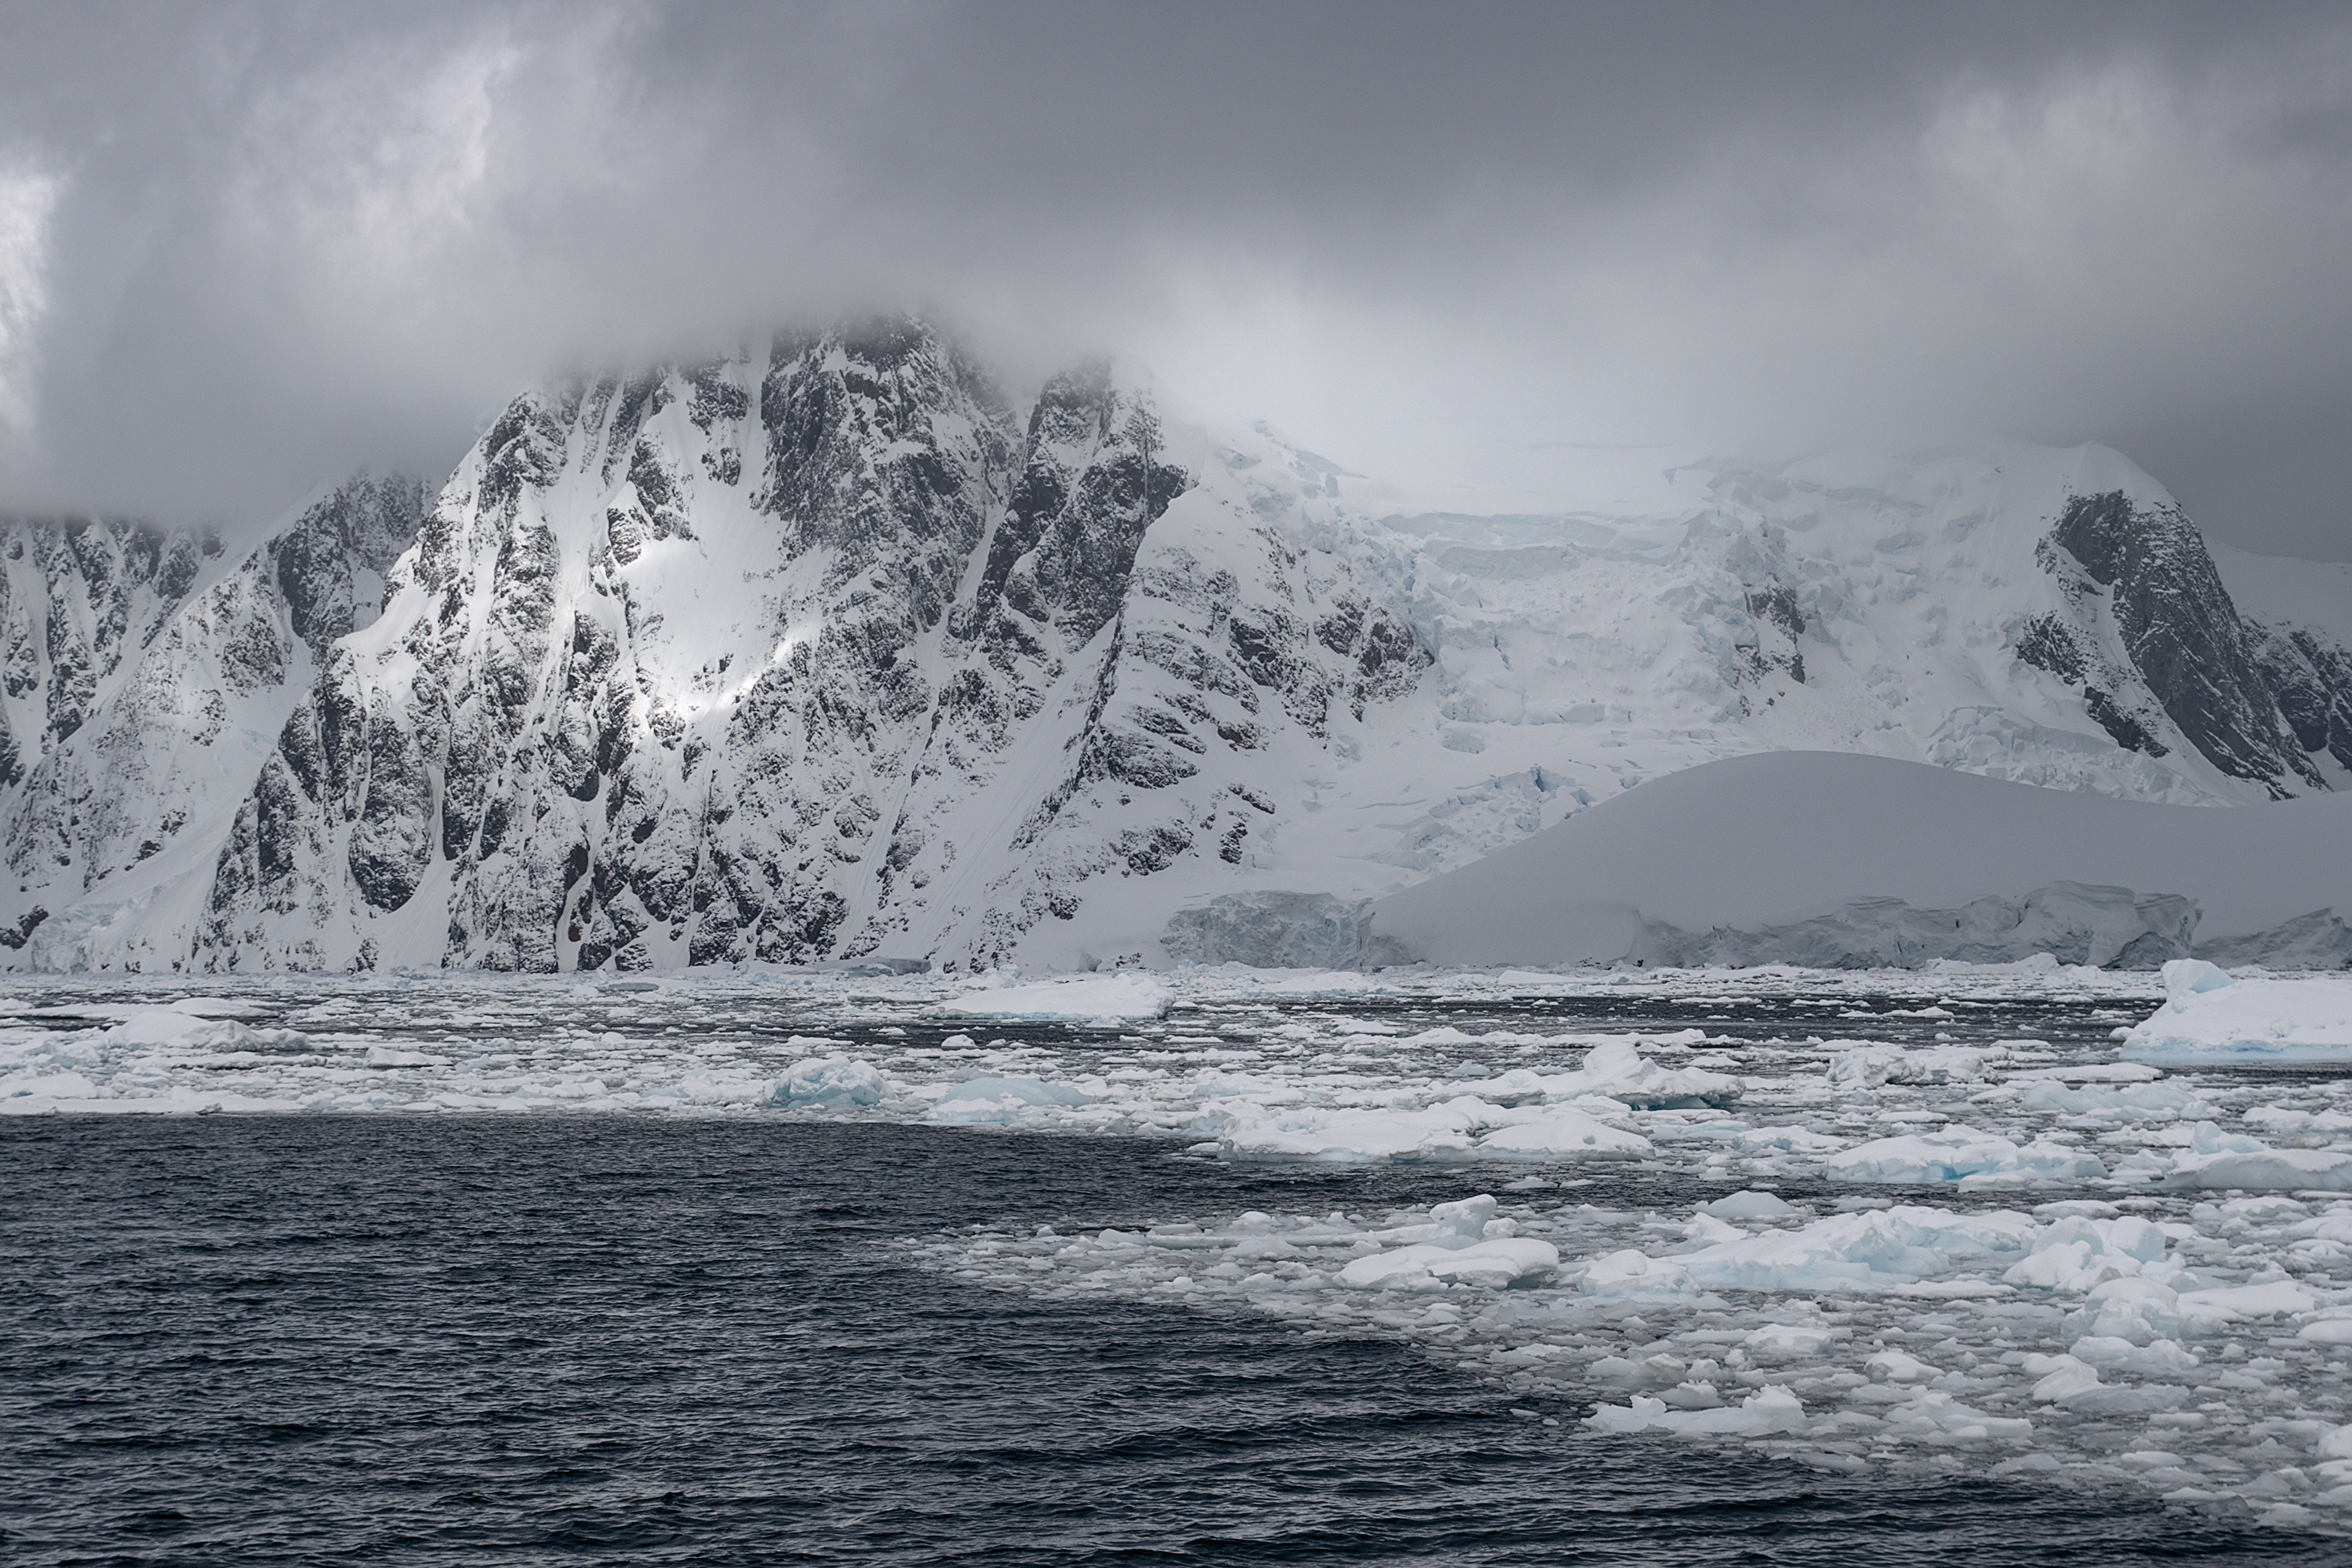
(2209, 1016)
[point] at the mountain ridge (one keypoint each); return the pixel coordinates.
(825, 650)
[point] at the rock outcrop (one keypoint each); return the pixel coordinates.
(826, 651)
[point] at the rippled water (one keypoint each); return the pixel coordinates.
(332, 1339)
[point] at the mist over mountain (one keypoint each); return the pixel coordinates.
(245, 248)
(831, 649)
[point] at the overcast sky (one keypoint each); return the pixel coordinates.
(244, 246)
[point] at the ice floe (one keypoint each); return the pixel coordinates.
(2209, 1016)
(1115, 996)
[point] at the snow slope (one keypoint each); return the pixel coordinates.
(825, 650)
(170, 671)
(1781, 839)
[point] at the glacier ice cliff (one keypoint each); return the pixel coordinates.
(1838, 860)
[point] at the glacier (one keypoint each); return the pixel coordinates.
(1845, 861)
(825, 650)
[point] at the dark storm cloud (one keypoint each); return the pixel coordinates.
(241, 245)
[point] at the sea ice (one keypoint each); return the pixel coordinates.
(1618, 1070)
(1633, 1276)
(2208, 1016)
(1961, 1154)
(1125, 994)
(1851, 1341)
(836, 1082)
(1769, 1409)
(1003, 1100)
(1496, 1265)
(2264, 1170)
(1874, 1250)
(1461, 1127)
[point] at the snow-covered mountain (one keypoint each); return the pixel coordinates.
(825, 650)
(156, 673)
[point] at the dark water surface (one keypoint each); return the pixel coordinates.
(586, 1340)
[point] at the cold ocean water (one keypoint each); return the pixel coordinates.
(342, 1339)
(750, 1310)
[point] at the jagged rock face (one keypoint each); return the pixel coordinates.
(770, 659)
(825, 651)
(2147, 569)
(77, 598)
(2313, 679)
(177, 666)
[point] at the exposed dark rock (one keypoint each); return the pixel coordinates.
(2182, 635)
(2313, 679)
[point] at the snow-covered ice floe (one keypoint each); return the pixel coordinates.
(1113, 997)
(2210, 1017)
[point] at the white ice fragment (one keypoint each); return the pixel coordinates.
(1747, 1206)
(1628, 1276)
(1351, 1135)
(394, 1056)
(1897, 1366)
(1935, 1415)
(1960, 1154)
(1870, 1066)
(1875, 1250)
(2133, 1308)
(1020, 1090)
(2157, 1358)
(1003, 1100)
(2192, 977)
(2077, 1252)
(2270, 1019)
(2133, 1102)
(2063, 1377)
(830, 1081)
(1125, 994)
(2261, 1169)
(1562, 1132)
(1770, 1409)
(1450, 1130)
(1431, 1266)
(35, 1091)
(1619, 1070)
(2227, 1304)
(1789, 1341)
(1465, 1217)
(148, 1027)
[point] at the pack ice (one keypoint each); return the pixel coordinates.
(1862, 1219)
